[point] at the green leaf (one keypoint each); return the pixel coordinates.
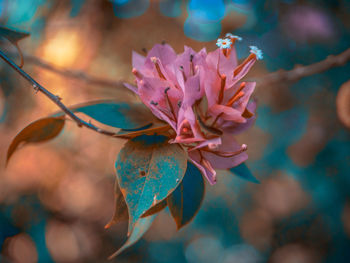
(243, 171)
(38, 131)
(128, 116)
(148, 170)
(185, 201)
(121, 209)
(13, 36)
(140, 228)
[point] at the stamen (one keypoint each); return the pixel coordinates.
(137, 73)
(216, 119)
(247, 114)
(183, 73)
(185, 130)
(179, 104)
(169, 103)
(238, 94)
(243, 148)
(222, 88)
(191, 65)
(235, 98)
(156, 64)
(213, 146)
(162, 110)
(207, 165)
(166, 90)
(240, 67)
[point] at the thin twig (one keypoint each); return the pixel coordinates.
(299, 72)
(57, 100)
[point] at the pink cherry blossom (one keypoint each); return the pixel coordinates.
(202, 97)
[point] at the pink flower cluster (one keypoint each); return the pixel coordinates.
(201, 96)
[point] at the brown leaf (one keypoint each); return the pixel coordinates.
(38, 131)
(156, 128)
(121, 209)
(155, 209)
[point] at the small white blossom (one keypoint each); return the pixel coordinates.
(257, 52)
(233, 36)
(224, 43)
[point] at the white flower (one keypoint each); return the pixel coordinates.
(233, 36)
(257, 52)
(224, 43)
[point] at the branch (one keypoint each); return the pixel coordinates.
(56, 99)
(270, 79)
(303, 71)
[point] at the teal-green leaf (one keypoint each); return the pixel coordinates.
(12, 35)
(243, 171)
(140, 228)
(148, 170)
(186, 200)
(128, 116)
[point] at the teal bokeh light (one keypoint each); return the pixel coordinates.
(129, 8)
(206, 10)
(170, 8)
(202, 31)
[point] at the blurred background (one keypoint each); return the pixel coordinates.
(56, 197)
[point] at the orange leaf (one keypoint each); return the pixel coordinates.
(38, 131)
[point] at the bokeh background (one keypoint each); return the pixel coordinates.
(56, 197)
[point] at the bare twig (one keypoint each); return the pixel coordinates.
(299, 72)
(57, 100)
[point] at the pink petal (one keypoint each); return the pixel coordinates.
(211, 82)
(193, 91)
(138, 61)
(131, 87)
(229, 144)
(165, 53)
(202, 144)
(212, 59)
(152, 91)
(187, 115)
(243, 68)
(207, 172)
(241, 103)
(229, 113)
(236, 128)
